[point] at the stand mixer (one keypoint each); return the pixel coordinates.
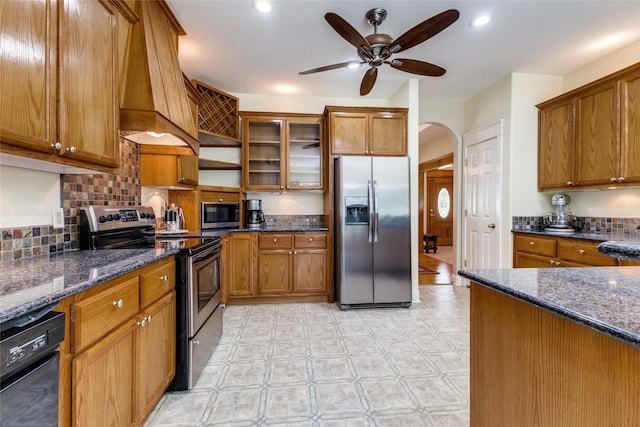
(562, 220)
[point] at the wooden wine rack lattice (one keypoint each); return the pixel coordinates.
(217, 114)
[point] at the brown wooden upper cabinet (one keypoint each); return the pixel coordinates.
(589, 137)
(367, 131)
(158, 169)
(282, 152)
(66, 51)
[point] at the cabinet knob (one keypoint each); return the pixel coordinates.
(621, 179)
(275, 240)
(118, 303)
(557, 262)
(613, 179)
(149, 318)
(581, 251)
(569, 182)
(182, 178)
(290, 252)
(164, 278)
(221, 199)
(282, 187)
(532, 243)
(71, 149)
(310, 239)
(56, 146)
(551, 262)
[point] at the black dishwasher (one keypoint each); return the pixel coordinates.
(29, 369)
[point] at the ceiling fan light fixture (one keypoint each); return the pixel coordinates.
(262, 6)
(354, 65)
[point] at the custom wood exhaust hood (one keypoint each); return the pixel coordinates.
(155, 107)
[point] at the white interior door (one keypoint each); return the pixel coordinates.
(482, 189)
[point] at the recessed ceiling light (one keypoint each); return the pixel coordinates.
(480, 21)
(262, 6)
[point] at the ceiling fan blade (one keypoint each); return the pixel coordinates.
(417, 67)
(425, 30)
(368, 81)
(347, 32)
(326, 68)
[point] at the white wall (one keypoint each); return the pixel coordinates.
(27, 197)
(436, 147)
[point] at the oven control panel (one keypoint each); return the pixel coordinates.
(102, 218)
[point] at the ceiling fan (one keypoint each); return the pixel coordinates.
(376, 49)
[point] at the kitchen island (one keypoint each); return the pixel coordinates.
(555, 347)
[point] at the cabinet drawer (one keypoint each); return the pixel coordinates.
(536, 245)
(96, 315)
(219, 196)
(156, 281)
(583, 252)
(308, 240)
(275, 241)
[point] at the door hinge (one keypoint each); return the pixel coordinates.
(466, 162)
(465, 212)
(465, 262)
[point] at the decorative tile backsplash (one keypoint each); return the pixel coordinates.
(122, 188)
(624, 226)
(294, 221)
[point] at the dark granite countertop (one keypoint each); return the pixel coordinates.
(622, 249)
(594, 236)
(606, 299)
(270, 229)
(31, 284)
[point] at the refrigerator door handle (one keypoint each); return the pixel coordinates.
(375, 211)
(370, 207)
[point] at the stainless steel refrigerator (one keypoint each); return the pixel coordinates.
(373, 221)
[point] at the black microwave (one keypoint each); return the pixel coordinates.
(219, 215)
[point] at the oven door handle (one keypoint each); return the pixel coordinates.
(203, 256)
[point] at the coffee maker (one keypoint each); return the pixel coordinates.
(562, 220)
(255, 217)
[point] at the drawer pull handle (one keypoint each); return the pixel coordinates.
(581, 251)
(164, 278)
(118, 303)
(532, 243)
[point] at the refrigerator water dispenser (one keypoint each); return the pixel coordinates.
(357, 210)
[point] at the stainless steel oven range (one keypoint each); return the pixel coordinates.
(198, 278)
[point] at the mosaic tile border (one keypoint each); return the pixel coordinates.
(76, 191)
(625, 226)
(295, 220)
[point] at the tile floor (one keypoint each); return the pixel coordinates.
(314, 365)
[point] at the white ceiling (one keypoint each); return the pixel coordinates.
(234, 48)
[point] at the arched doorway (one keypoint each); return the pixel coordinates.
(435, 188)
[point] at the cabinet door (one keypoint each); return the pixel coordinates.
(188, 170)
(556, 148)
(309, 271)
(348, 133)
(88, 114)
(630, 117)
(238, 259)
(156, 353)
(598, 135)
(388, 134)
(274, 272)
(304, 154)
(263, 155)
(28, 74)
(102, 384)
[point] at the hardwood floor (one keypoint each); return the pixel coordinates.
(444, 270)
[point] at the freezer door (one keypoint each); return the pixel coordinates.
(392, 248)
(354, 257)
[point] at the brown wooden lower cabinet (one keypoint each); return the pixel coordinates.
(537, 251)
(115, 375)
(275, 267)
(531, 367)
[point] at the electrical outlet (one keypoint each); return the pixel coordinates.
(58, 217)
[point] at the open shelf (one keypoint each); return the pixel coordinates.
(206, 164)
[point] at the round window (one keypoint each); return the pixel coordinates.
(444, 203)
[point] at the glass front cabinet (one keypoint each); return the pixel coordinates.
(282, 152)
